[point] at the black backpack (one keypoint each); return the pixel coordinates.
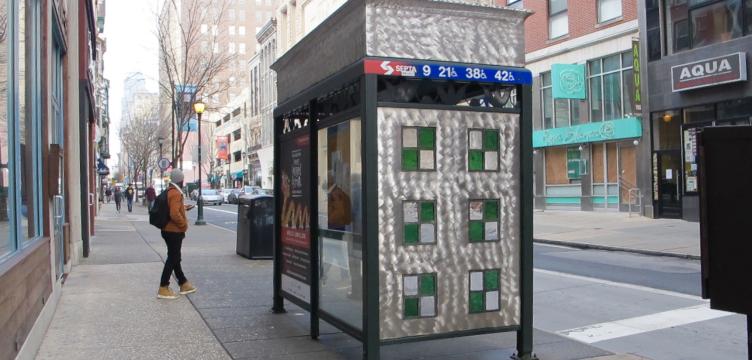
(159, 215)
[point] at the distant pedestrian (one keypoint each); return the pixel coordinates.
(173, 234)
(129, 193)
(151, 195)
(118, 198)
(108, 194)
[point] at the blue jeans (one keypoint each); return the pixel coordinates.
(130, 205)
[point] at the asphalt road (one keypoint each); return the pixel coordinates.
(617, 301)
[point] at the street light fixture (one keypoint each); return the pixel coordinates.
(199, 107)
(161, 171)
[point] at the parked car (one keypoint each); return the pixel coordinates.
(211, 196)
(249, 191)
(226, 194)
(232, 198)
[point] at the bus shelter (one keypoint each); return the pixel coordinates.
(403, 173)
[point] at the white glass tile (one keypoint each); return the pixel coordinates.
(492, 160)
(426, 160)
(410, 138)
(492, 231)
(410, 212)
(427, 234)
(476, 281)
(476, 140)
(427, 306)
(492, 300)
(411, 285)
(476, 210)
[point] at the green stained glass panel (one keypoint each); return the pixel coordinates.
(476, 231)
(491, 211)
(427, 285)
(409, 159)
(427, 138)
(411, 307)
(491, 280)
(411, 234)
(475, 161)
(490, 140)
(476, 302)
(427, 212)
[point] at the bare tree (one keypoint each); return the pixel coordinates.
(190, 60)
(140, 140)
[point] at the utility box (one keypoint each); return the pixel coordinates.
(725, 221)
(403, 173)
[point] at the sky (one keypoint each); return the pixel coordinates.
(130, 30)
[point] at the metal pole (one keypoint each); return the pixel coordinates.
(161, 171)
(749, 336)
(200, 216)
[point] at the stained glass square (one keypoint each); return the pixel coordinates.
(410, 137)
(409, 159)
(491, 140)
(411, 307)
(427, 212)
(476, 281)
(427, 285)
(476, 210)
(475, 160)
(492, 301)
(491, 160)
(491, 210)
(476, 302)
(427, 306)
(476, 140)
(427, 138)
(426, 160)
(411, 234)
(427, 234)
(476, 231)
(410, 285)
(410, 211)
(491, 231)
(491, 280)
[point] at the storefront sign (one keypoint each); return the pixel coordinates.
(709, 72)
(568, 81)
(448, 71)
(637, 98)
(626, 128)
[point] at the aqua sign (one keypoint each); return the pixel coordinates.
(626, 128)
(568, 81)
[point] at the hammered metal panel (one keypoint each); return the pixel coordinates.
(443, 31)
(451, 186)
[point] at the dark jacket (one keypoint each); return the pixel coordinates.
(129, 193)
(151, 194)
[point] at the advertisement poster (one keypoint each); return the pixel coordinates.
(295, 222)
(223, 148)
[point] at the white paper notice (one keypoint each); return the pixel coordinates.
(669, 174)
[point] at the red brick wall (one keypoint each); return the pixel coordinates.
(583, 20)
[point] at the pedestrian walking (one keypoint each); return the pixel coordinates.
(151, 195)
(129, 192)
(108, 194)
(173, 234)
(118, 198)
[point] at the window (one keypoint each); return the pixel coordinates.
(204, 28)
(241, 48)
(231, 48)
(231, 30)
(418, 149)
(483, 150)
(483, 225)
(611, 86)
(558, 20)
(237, 156)
(484, 291)
(241, 15)
(419, 295)
(696, 23)
(420, 222)
(517, 4)
(236, 135)
(652, 10)
(608, 10)
(560, 112)
(241, 30)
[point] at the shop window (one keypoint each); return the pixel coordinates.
(560, 112)
(696, 23)
(483, 150)
(611, 86)
(419, 295)
(608, 10)
(420, 222)
(418, 149)
(735, 109)
(484, 291)
(575, 164)
(558, 20)
(667, 130)
(483, 225)
(556, 166)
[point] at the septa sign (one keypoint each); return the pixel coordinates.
(448, 71)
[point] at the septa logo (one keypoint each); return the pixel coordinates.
(389, 68)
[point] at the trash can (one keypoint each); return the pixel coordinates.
(255, 227)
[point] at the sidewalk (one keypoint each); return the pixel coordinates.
(109, 310)
(618, 231)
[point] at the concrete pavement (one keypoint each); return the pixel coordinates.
(618, 231)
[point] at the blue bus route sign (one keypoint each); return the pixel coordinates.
(448, 71)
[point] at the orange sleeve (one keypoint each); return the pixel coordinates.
(177, 212)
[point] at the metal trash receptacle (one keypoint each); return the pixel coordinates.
(256, 217)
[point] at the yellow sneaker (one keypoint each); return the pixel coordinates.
(187, 288)
(166, 293)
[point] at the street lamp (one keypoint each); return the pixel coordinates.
(199, 107)
(161, 171)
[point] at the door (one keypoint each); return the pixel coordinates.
(669, 184)
(58, 137)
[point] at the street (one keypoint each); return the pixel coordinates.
(619, 302)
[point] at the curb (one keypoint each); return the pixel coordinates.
(614, 248)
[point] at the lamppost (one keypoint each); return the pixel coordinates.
(199, 107)
(161, 171)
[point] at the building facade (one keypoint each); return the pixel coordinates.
(696, 73)
(587, 129)
(263, 102)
